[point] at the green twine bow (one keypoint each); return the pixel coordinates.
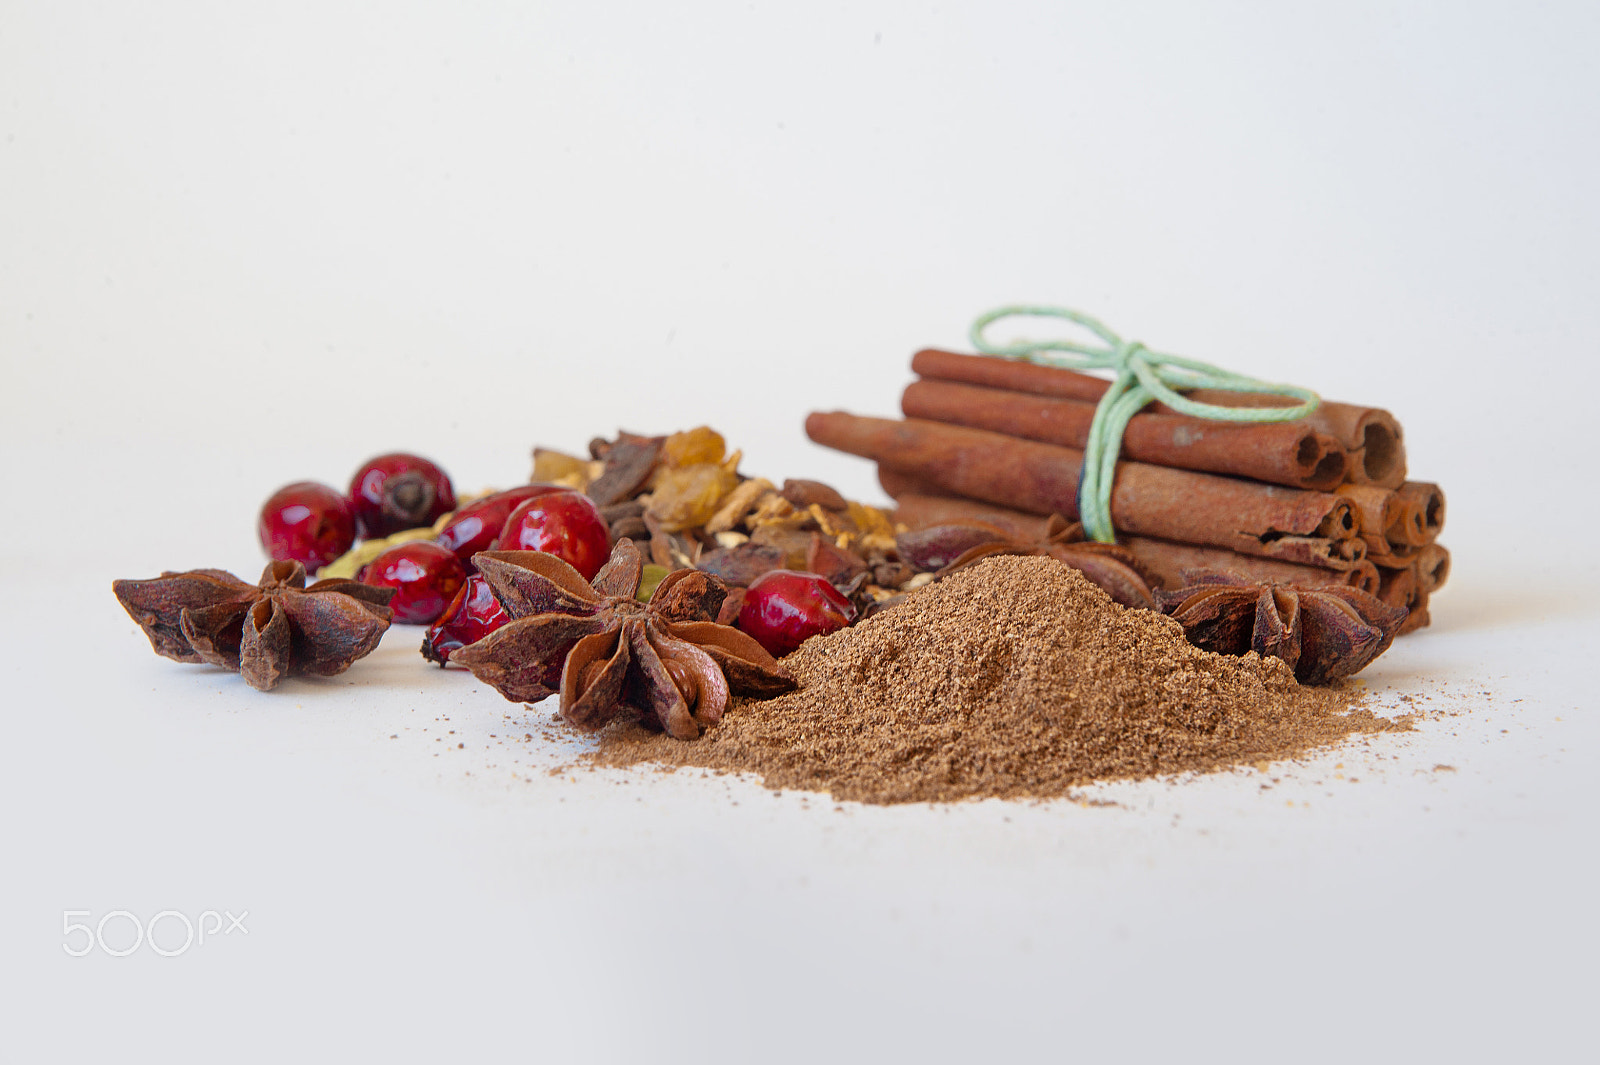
(1142, 375)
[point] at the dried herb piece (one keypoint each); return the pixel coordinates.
(693, 446)
(629, 462)
(742, 563)
(948, 548)
(687, 496)
(265, 631)
(803, 494)
(667, 659)
(1322, 632)
(840, 565)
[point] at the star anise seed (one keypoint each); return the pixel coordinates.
(1322, 632)
(265, 631)
(667, 659)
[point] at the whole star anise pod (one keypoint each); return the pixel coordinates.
(667, 659)
(947, 548)
(263, 631)
(1322, 632)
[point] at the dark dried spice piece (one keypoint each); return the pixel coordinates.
(667, 659)
(801, 494)
(839, 565)
(264, 632)
(673, 550)
(1322, 632)
(742, 564)
(629, 461)
(948, 548)
(625, 519)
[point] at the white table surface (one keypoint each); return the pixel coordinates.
(240, 248)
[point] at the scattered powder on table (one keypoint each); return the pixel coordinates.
(1012, 678)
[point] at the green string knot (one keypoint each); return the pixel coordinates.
(1142, 376)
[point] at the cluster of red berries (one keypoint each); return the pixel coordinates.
(313, 524)
(434, 579)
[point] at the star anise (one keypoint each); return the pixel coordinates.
(1322, 632)
(666, 659)
(947, 548)
(263, 631)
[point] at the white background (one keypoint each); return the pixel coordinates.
(247, 244)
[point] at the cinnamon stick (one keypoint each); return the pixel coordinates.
(1313, 528)
(1287, 453)
(1399, 587)
(1172, 562)
(1433, 567)
(1419, 617)
(921, 510)
(1168, 562)
(1372, 436)
(1385, 522)
(1427, 501)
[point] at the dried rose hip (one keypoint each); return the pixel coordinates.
(565, 524)
(424, 575)
(308, 523)
(473, 614)
(475, 526)
(785, 607)
(399, 491)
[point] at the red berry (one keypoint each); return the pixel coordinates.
(784, 607)
(564, 523)
(473, 614)
(475, 526)
(399, 491)
(424, 575)
(307, 522)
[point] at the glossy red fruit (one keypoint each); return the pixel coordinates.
(473, 614)
(399, 491)
(475, 526)
(307, 522)
(784, 607)
(566, 524)
(424, 575)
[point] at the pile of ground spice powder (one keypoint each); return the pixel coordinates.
(1013, 678)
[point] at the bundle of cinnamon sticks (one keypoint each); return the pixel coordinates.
(1321, 500)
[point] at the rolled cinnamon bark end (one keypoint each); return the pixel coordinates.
(1313, 528)
(1381, 458)
(1376, 508)
(1286, 453)
(1372, 436)
(1406, 532)
(1427, 500)
(1433, 567)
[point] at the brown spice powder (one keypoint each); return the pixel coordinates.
(1014, 678)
